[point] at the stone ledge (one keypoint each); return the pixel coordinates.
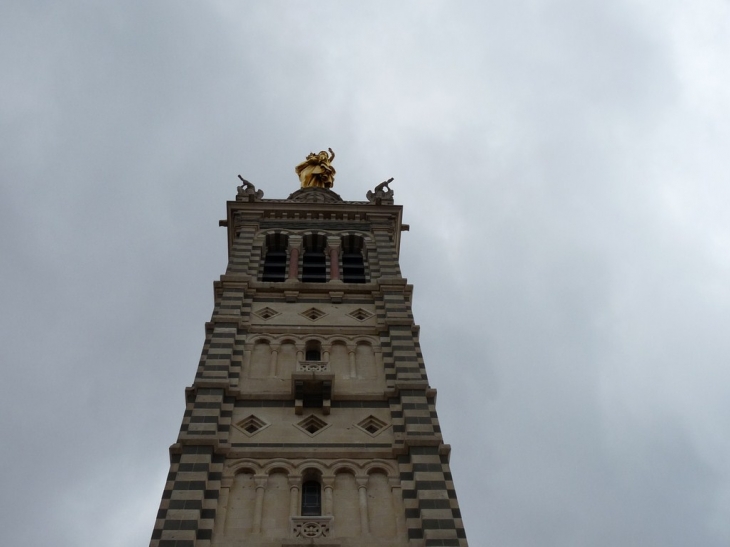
(303, 453)
(399, 321)
(317, 542)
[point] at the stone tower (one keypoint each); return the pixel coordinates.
(310, 420)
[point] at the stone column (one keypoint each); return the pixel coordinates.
(294, 484)
(247, 362)
(353, 369)
(362, 488)
(398, 509)
(333, 247)
(258, 509)
(295, 246)
(379, 365)
(274, 358)
(327, 484)
(220, 518)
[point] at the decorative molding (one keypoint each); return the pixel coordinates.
(266, 313)
(313, 314)
(314, 195)
(312, 425)
(251, 425)
(361, 314)
(372, 426)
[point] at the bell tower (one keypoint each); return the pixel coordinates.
(311, 420)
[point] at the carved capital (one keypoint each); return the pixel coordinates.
(260, 481)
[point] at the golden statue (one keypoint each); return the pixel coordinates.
(317, 171)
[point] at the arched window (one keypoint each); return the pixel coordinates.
(313, 351)
(275, 260)
(314, 262)
(353, 264)
(311, 499)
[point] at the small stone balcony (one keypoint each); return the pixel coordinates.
(313, 366)
(312, 527)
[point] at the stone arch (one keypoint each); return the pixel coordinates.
(266, 233)
(345, 467)
(279, 466)
(264, 238)
(372, 340)
(375, 468)
(279, 469)
(245, 466)
(312, 467)
(311, 473)
(317, 337)
(363, 235)
(380, 465)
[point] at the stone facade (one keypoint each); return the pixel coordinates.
(311, 420)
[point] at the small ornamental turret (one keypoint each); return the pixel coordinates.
(317, 171)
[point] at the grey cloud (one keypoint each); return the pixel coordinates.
(564, 187)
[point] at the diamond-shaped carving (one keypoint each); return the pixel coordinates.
(312, 425)
(313, 314)
(360, 314)
(372, 426)
(266, 313)
(251, 425)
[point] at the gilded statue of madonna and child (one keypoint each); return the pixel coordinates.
(316, 171)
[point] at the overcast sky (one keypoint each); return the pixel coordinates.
(564, 169)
